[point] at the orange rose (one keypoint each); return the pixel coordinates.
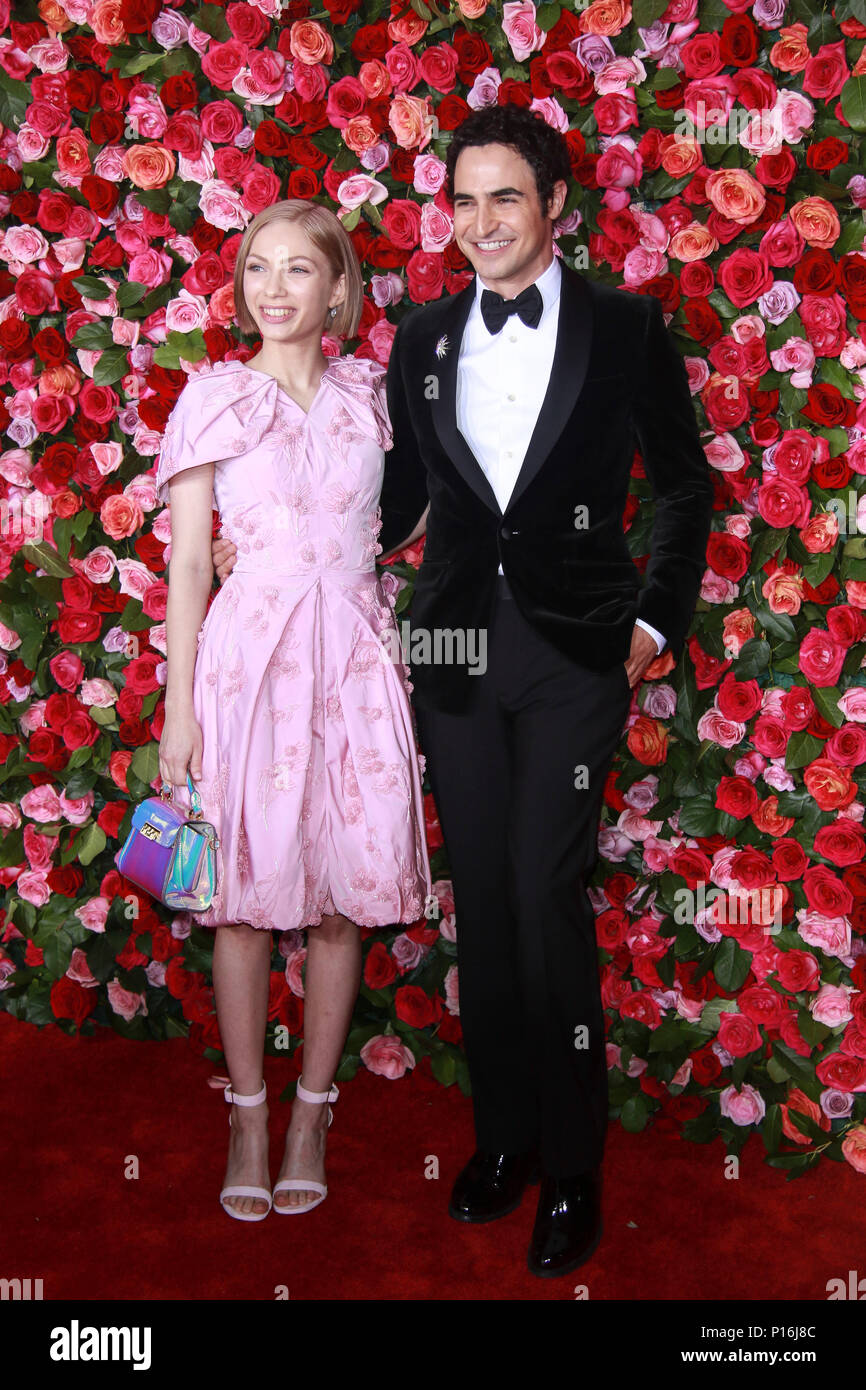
(472, 9)
(53, 17)
(408, 29)
(854, 1148)
(149, 166)
(606, 17)
(310, 43)
(693, 243)
(105, 19)
(801, 1104)
(648, 741)
(738, 629)
(62, 380)
(791, 53)
(736, 195)
(830, 786)
(410, 120)
(816, 221)
(120, 516)
(768, 820)
(375, 78)
(680, 155)
(360, 134)
(783, 592)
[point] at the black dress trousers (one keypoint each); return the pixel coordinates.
(518, 780)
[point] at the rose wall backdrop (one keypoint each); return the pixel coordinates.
(717, 148)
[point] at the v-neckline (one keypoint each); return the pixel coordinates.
(282, 388)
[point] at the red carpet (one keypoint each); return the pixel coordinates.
(75, 1109)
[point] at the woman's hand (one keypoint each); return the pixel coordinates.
(180, 748)
(224, 553)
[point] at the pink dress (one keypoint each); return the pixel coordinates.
(310, 771)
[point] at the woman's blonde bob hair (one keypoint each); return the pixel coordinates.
(327, 233)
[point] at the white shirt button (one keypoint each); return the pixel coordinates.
(511, 396)
(512, 337)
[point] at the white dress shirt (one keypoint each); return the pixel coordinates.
(501, 384)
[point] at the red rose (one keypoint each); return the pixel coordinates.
(46, 748)
(736, 796)
(74, 627)
(379, 967)
(141, 673)
(80, 731)
(727, 555)
(739, 41)
(841, 1072)
(110, 817)
(705, 1066)
(820, 658)
(416, 1008)
(738, 1034)
(824, 892)
(762, 1004)
(841, 843)
(798, 970)
(640, 1005)
(424, 274)
(789, 859)
(744, 275)
(71, 1000)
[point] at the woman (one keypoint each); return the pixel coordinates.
(295, 726)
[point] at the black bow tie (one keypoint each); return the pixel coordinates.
(495, 310)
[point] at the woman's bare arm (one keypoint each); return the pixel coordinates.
(416, 534)
(190, 579)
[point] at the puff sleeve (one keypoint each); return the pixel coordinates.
(212, 420)
(360, 383)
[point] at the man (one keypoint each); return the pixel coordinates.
(515, 406)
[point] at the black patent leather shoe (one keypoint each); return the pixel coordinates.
(567, 1223)
(491, 1185)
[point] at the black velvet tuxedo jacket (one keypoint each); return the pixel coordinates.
(617, 381)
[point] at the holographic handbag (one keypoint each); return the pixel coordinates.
(170, 853)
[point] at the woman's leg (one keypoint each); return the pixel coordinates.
(241, 968)
(332, 977)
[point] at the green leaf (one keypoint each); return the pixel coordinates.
(731, 964)
(547, 15)
(635, 1113)
(131, 292)
(92, 288)
(93, 336)
(853, 98)
(826, 699)
(90, 843)
(145, 762)
(699, 816)
(771, 1129)
(646, 12)
(802, 749)
(46, 557)
(112, 365)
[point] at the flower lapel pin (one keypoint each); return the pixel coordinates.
(442, 346)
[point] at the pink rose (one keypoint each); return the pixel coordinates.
(79, 971)
(745, 1106)
(387, 1056)
(125, 1001)
(831, 1005)
(820, 658)
(33, 888)
(93, 913)
(41, 804)
(520, 28)
(294, 965)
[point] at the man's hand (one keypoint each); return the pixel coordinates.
(224, 555)
(643, 653)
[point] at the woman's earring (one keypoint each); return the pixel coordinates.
(333, 312)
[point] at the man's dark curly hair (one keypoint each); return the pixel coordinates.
(543, 148)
